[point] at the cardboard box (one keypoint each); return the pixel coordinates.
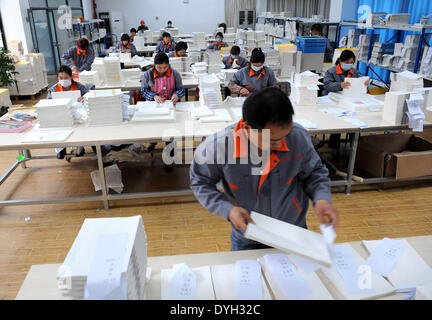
(399, 155)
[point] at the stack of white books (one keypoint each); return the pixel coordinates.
(304, 88)
(113, 75)
(194, 55)
(151, 111)
(210, 91)
(98, 65)
(55, 113)
(199, 40)
(272, 60)
(181, 64)
(16, 47)
(228, 75)
(24, 70)
(89, 77)
(138, 41)
(199, 68)
(405, 81)
(287, 61)
(395, 107)
(229, 38)
(104, 107)
(213, 60)
(148, 36)
(107, 261)
(132, 74)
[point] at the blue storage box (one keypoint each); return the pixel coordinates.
(311, 44)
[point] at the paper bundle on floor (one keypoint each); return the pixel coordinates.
(357, 87)
(112, 71)
(239, 281)
(89, 77)
(288, 282)
(398, 261)
(104, 107)
(107, 261)
(289, 238)
(351, 279)
(210, 92)
(53, 113)
(185, 283)
(405, 81)
(394, 106)
(113, 179)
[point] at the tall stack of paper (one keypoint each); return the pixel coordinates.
(213, 60)
(398, 261)
(199, 40)
(231, 30)
(194, 55)
(151, 111)
(55, 113)
(148, 36)
(229, 38)
(24, 69)
(199, 68)
(112, 71)
(138, 41)
(132, 74)
(394, 107)
(107, 261)
(288, 282)
(427, 96)
(288, 56)
(228, 75)
(304, 88)
(351, 279)
(98, 65)
(89, 77)
(379, 49)
(104, 107)
(16, 47)
(272, 60)
(357, 87)
(426, 62)
(405, 81)
(289, 238)
(210, 91)
(181, 64)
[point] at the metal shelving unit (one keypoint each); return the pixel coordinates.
(92, 25)
(398, 37)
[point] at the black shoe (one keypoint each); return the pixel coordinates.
(61, 154)
(168, 168)
(80, 153)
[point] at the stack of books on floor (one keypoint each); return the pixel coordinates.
(112, 71)
(210, 91)
(55, 113)
(213, 60)
(107, 261)
(304, 89)
(89, 77)
(104, 107)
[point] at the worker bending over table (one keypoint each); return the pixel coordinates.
(334, 81)
(180, 50)
(162, 83)
(254, 77)
(234, 61)
(79, 57)
(166, 44)
(218, 44)
(292, 174)
(66, 83)
(125, 45)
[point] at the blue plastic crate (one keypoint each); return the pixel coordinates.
(311, 44)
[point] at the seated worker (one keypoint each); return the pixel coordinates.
(253, 77)
(294, 171)
(223, 25)
(334, 81)
(126, 46)
(234, 61)
(66, 83)
(142, 27)
(218, 44)
(169, 25)
(166, 44)
(133, 33)
(79, 57)
(180, 50)
(316, 30)
(162, 83)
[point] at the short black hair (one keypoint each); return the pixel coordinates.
(125, 37)
(257, 56)
(317, 27)
(132, 30)
(161, 58)
(181, 45)
(219, 34)
(345, 56)
(141, 27)
(83, 44)
(169, 21)
(65, 69)
(166, 34)
(223, 25)
(235, 50)
(268, 106)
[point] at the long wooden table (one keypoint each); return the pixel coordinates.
(184, 129)
(41, 283)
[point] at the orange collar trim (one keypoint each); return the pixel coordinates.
(339, 70)
(128, 46)
(252, 73)
(84, 53)
(59, 87)
(166, 74)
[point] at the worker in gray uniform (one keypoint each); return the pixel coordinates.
(280, 185)
(79, 57)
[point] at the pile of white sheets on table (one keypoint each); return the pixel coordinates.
(151, 111)
(107, 261)
(304, 88)
(55, 113)
(210, 91)
(104, 107)
(113, 75)
(213, 59)
(405, 81)
(181, 64)
(89, 77)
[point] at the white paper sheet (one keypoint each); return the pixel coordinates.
(248, 280)
(338, 112)
(306, 265)
(325, 100)
(46, 135)
(72, 94)
(357, 122)
(307, 124)
(184, 106)
(383, 259)
(328, 233)
(357, 87)
(219, 115)
(424, 292)
(104, 279)
(183, 283)
(293, 285)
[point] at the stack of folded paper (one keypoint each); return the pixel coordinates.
(405, 81)
(54, 113)
(133, 74)
(304, 89)
(151, 111)
(104, 107)
(199, 68)
(89, 77)
(199, 40)
(113, 75)
(181, 64)
(213, 60)
(210, 91)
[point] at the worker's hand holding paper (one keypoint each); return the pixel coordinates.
(158, 99)
(239, 217)
(174, 98)
(324, 211)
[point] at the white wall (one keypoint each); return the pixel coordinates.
(261, 6)
(88, 9)
(197, 15)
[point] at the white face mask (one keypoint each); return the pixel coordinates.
(255, 68)
(65, 83)
(346, 66)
